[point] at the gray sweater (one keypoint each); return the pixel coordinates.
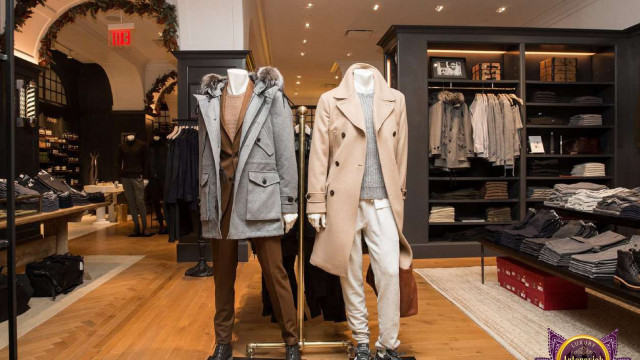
(372, 181)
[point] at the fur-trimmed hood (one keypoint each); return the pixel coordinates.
(265, 78)
(451, 97)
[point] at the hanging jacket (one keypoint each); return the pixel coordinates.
(450, 131)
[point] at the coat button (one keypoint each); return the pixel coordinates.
(290, 199)
(332, 193)
(337, 163)
(394, 134)
(264, 181)
(343, 135)
(258, 140)
(235, 155)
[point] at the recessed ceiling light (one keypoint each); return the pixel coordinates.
(501, 10)
(439, 8)
(159, 33)
(348, 54)
(376, 7)
(304, 41)
(295, 94)
(309, 5)
(302, 53)
(299, 76)
(307, 25)
(297, 82)
(337, 76)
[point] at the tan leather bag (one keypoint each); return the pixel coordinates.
(408, 291)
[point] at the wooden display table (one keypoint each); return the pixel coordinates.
(56, 233)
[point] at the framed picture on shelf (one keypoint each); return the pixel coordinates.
(448, 68)
(535, 145)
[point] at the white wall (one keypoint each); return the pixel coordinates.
(210, 24)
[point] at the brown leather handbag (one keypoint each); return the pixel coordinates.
(580, 146)
(408, 291)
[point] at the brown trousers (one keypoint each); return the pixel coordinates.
(225, 263)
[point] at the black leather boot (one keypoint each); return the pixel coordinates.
(627, 271)
(293, 352)
(222, 352)
(636, 256)
(390, 355)
(362, 352)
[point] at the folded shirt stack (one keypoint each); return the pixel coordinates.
(558, 252)
(587, 200)
(494, 232)
(589, 169)
(442, 214)
(32, 200)
(587, 100)
(541, 96)
(458, 194)
(542, 225)
(631, 211)
(601, 265)
(549, 167)
(586, 120)
(77, 197)
(547, 120)
(613, 204)
(495, 190)
(49, 198)
(563, 192)
(533, 246)
(539, 192)
(502, 214)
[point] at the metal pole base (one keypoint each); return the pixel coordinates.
(252, 347)
(200, 270)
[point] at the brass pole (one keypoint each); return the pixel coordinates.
(302, 170)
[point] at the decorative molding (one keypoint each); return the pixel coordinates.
(22, 12)
(159, 86)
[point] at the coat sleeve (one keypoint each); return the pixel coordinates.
(285, 153)
(403, 147)
(319, 160)
(435, 129)
(468, 133)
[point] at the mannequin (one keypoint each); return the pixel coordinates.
(157, 151)
(132, 166)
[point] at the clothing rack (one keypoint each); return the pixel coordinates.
(251, 347)
(492, 88)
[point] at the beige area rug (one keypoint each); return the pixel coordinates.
(521, 327)
(101, 268)
(86, 226)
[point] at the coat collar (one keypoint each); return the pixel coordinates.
(349, 101)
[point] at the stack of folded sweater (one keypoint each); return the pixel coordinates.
(601, 265)
(458, 194)
(549, 167)
(533, 246)
(60, 187)
(587, 200)
(558, 252)
(613, 204)
(631, 211)
(502, 214)
(587, 100)
(32, 197)
(589, 169)
(586, 120)
(563, 192)
(495, 190)
(494, 232)
(49, 198)
(539, 192)
(544, 224)
(541, 96)
(442, 214)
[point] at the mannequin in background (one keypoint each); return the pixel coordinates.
(157, 151)
(357, 172)
(247, 192)
(131, 168)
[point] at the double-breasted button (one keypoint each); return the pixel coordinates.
(235, 155)
(332, 193)
(394, 134)
(343, 135)
(258, 140)
(264, 181)
(290, 199)
(308, 196)
(337, 163)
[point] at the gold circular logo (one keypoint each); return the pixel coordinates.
(583, 347)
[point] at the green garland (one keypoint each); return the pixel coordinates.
(163, 13)
(22, 12)
(157, 86)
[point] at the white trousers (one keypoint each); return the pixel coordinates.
(378, 227)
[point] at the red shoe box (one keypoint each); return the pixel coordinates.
(539, 288)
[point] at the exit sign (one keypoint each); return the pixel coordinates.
(120, 34)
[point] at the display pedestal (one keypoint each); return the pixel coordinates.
(100, 216)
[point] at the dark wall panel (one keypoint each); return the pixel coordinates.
(628, 127)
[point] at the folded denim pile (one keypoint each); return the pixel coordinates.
(542, 224)
(30, 202)
(549, 167)
(501, 214)
(563, 192)
(460, 194)
(613, 204)
(77, 197)
(496, 190)
(49, 198)
(559, 252)
(587, 100)
(494, 232)
(533, 246)
(547, 120)
(589, 169)
(587, 200)
(586, 120)
(442, 214)
(474, 233)
(539, 192)
(541, 96)
(601, 265)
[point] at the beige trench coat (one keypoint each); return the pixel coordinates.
(336, 166)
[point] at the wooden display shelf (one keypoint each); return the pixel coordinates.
(570, 156)
(569, 178)
(473, 82)
(569, 127)
(571, 105)
(460, 223)
(576, 83)
(471, 201)
(473, 178)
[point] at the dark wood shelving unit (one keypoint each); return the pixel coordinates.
(571, 127)
(473, 178)
(569, 105)
(569, 156)
(460, 223)
(573, 178)
(472, 201)
(574, 83)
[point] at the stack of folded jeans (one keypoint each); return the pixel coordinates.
(544, 168)
(539, 192)
(558, 252)
(563, 192)
(547, 120)
(589, 169)
(601, 265)
(533, 246)
(586, 120)
(543, 225)
(49, 198)
(541, 96)
(502, 214)
(458, 194)
(96, 197)
(587, 100)
(474, 233)
(494, 232)
(613, 204)
(442, 214)
(59, 186)
(631, 211)
(495, 190)
(64, 200)
(33, 200)
(587, 200)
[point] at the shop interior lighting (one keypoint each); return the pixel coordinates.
(348, 54)
(501, 10)
(304, 41)
(309, 5)
(554, 53)
(307, 25)
(376, 7)
(337, 76)
(299, 76)
(295, 94)
(297, 82)
(560, 53)
(302, 53)
(439, 8)
(468, 51)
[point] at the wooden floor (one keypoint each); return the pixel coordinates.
(151, 311)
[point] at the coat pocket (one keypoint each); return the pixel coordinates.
(206, 212)
(263, 201)
(265, 144)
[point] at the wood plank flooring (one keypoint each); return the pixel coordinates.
(152, 311)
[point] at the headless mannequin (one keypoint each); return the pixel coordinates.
(238, 82)
(364, 83)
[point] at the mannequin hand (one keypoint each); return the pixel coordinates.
(289, 220)
(318, 221)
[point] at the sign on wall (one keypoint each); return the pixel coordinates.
(120, 35)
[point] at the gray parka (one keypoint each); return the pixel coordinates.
(266, 180)
(450, 131)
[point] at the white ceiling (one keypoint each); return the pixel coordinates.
(330, 19)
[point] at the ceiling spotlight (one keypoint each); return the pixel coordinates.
(295, 94)
(302, 53)
(501, 10)
(376, 7)
(307, 25)
(439, 8)
(337, 77)
(297, 82)
(159, 33)
(309, 5)
(304, 41)
(299, 76)
(348, 54)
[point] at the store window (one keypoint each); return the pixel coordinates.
(51, 88)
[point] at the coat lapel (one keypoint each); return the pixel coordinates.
(352, 109)
(381, 110)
